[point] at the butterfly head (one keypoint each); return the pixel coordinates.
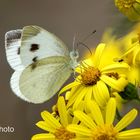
(74, 55)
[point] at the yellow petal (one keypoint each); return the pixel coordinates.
(75, 120)
(45, 126)
(110, 111)
(96, 112)
(126, 120)
(88, 96)
(81, 107)
(85, 119)
(80, 97)
(130, 50)
(134, 76)
(48, 118)
(43, 136)
(133, 134)
(115, 66)
(69, 86)
(74, 93)
(62, 111)
(101, 93)
(118, 85)
(119, 100)
(138, 1)
(136, 53)
(79, 130)
(67, 95)
(98, 53)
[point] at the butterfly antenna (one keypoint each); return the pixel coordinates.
(74, 39)
(93, 32)
(84, 40)
(84, 45)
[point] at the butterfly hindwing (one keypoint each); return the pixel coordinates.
(39, 82)
(12, 46)
(15, 85)
(37, 43)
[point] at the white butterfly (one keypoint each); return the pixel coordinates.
(41, 61)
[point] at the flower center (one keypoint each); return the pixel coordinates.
(90, 76)
(105, 132)
(124, 4)
(63, 134)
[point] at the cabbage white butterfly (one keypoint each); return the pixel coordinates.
(41, 61)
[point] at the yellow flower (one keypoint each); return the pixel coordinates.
(94, 79)
(128, 50)
(130, 8)
(130, 44)
(56, 128)
(99, 127)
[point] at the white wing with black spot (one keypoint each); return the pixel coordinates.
(37, 43)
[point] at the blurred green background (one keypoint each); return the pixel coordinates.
(62, 17)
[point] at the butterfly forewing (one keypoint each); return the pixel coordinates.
(12, 46)
(38, 43)
(39, 82)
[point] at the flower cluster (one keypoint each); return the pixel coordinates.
(90, 108)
